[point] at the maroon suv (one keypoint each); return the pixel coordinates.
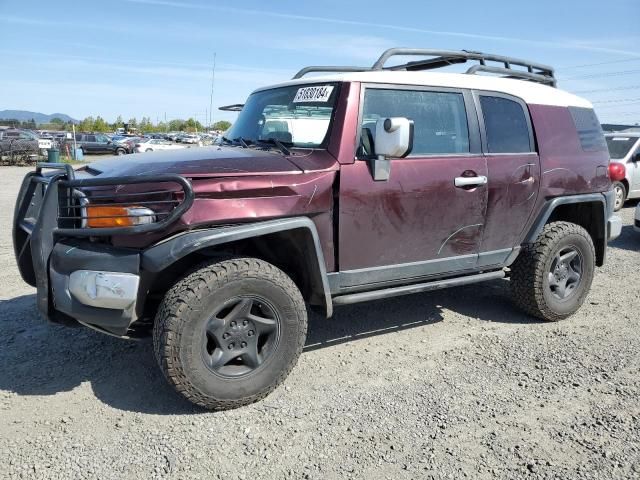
(366, 184)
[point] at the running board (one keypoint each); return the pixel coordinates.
(416, 288)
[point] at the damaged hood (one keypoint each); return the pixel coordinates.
(215, 161)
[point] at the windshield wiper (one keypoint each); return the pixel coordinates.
(274, 141)
(236, 141)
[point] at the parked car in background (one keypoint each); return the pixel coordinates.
(130, 143)
(624, 150)
(20, 140)
(636, 220)
(98, 143)
(190, 138)
(155, 144)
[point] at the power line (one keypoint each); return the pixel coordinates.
(599, 63)
(614, 89)
(617, 100)
(618, 105)
(604, 74)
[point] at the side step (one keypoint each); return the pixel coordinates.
(416, 288)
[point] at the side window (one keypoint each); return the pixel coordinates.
(78, 137)
(589, 129)
(440, 119)
(91, 138)
(506, 125)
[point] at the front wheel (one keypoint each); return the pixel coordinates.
(120, 151)
(229, 333)
(620, 195)
(551, 278)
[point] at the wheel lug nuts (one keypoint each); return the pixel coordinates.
(225, 336)
(245, 323)
(251, 333)
(243, 344)
(233, 324)
(231, 345)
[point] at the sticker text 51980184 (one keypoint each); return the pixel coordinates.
(320, 93)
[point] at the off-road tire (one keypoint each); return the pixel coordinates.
(529, 273)
(619, 187)
(187, 306)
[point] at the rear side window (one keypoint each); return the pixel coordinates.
(440, 118)
(589, 129)
(506, 125)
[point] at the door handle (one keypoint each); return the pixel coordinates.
(470, 181)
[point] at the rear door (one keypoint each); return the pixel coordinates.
(90, 143)
(513, 171)
(417, 223)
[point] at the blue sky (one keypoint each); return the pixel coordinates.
(151, 57)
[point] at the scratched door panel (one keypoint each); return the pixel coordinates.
(417, 215)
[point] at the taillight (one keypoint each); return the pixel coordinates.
(616, 171)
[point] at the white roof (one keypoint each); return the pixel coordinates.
(530, 92)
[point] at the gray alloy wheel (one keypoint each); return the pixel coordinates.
(230, 332)
(551, 277)
(620, 195)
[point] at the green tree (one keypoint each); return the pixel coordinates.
(176, 125)
(99, 125)
(133, 123)
(146, 125)
(86, 125)
(57, 121)
(222, 125)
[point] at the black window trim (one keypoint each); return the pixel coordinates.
(475, 145)
(483, 133)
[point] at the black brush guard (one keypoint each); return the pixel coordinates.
(37, 220)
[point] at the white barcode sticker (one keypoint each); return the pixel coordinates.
(313, 94)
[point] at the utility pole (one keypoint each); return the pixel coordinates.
(213, 79)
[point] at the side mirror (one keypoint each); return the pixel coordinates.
(394, 139)
(636, 157)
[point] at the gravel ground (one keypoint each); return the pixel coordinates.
(450, 384)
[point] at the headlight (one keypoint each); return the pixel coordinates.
(104, 216)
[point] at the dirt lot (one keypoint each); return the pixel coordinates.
(451, 384)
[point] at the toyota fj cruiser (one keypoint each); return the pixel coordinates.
(364, 184)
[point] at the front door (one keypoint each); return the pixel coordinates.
(428, 218)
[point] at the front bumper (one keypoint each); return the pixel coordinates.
(77, 278)
(96, 285)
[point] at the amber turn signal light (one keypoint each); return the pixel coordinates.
(105, 216)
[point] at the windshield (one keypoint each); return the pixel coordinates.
(619, 146)
(297, 115)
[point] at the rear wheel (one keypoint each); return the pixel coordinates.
(551, 278)
(230, 332)
(620, 195)
(120, 151)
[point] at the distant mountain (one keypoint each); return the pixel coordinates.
(24, 116)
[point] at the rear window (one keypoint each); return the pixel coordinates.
(620, 146)
(506, 125)
(589, 129)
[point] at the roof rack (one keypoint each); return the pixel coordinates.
(504, 66)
